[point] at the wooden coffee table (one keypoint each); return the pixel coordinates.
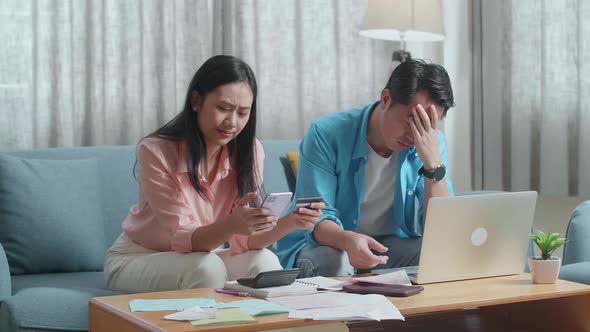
(510, 303)
(112, 314)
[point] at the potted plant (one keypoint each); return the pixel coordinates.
(545, 269)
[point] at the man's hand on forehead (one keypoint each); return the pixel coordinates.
(428, 108)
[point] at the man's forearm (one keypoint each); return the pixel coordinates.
(328, 233)
(434, 188)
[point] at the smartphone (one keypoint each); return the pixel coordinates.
(277, 202)
(306, 202)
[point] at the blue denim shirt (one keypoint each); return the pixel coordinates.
(332, 160)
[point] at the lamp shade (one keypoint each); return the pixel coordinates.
(407, 20)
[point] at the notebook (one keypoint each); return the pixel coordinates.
(323, 283)
(296, 288)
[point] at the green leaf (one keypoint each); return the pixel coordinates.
(547, 242)
(542, 236)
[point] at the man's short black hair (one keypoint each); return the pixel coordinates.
(414, 75)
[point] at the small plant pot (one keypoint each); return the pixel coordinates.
(544, 271)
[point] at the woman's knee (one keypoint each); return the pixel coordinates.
(204, 270)
(264, 260)
(249, 264)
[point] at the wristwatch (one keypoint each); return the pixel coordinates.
(438, 173)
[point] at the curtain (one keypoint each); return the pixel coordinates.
(310, 59)
(108, 72)
(96, 72)
(534, 97)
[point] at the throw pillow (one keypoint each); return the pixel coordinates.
(50, 215)
(293, 158)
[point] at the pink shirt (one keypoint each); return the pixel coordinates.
(169, 208)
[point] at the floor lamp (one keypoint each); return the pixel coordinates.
(403, 21)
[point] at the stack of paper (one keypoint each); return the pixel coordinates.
(394, 278)
(375, 307)
(322, 300)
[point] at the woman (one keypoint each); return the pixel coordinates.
(197, 175)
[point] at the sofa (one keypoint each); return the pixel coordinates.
(60, 209)
(576, 254)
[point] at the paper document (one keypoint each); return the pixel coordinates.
(169, 304)
(193, 313)
(393, 278)
(229, 316)
(256, 307)
(322, 300)
(322, 283)
(380, 308)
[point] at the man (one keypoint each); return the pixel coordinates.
(376, 168)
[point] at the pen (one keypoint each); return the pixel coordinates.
(231, 292)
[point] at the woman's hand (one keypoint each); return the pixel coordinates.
(246, 221)
(304, 218)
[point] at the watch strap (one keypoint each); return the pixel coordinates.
(438, 173)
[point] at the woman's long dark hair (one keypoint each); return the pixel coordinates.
(215, 72)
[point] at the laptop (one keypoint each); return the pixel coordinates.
(474, 236)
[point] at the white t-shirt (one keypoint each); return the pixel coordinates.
(377, 201)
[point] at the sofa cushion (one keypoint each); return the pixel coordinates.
(48, 309)
(115, 166)
(50, 215)
(5, 283)
(578, 232)
(278, 176)
(578, 272)
(71, 280)
(293, 157)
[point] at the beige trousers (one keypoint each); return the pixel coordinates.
(131, 268)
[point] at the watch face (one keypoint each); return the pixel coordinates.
(439, 173)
